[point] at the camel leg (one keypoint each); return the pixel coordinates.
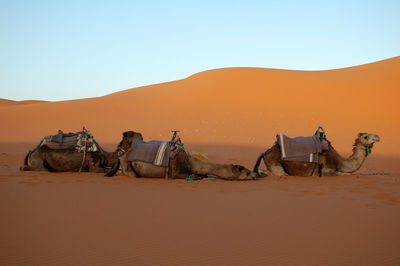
(342, 174)
(91, 166)
(37, 163)
(273, 162)
(126, 167)
(274, 168)
(277, 170)
(329, 172)
(95, 167)
(128, 170)
(264, 172)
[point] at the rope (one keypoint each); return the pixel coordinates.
(83, 160)
(84, 153)
(190, 178)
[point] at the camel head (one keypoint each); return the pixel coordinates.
(126, 142)
(242, 173)
(367, 140)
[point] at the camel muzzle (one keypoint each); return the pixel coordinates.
(376, 138)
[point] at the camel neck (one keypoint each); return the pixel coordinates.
(110, 157)
(354, 161)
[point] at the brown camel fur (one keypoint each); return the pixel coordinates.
(181, 165)
(69, 160)
(330, 163)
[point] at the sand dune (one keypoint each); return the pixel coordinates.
(5, 102)
(241, 106)
(230, 115)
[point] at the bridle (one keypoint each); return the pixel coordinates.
(120, 151)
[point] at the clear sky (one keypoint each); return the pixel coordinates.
(58, 50)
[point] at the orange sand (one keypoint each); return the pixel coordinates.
(230, 116)
(86, 219)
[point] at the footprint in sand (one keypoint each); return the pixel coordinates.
(387, 198)
(371, 205)
(28, 182)
(347, 198)
(356, 190)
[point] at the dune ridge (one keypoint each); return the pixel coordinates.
(6, 102)
(241, 106)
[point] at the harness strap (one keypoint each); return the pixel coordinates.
(37, 146)
(368, 149)
(320, 133)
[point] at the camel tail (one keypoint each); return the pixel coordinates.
(26, 167)
(114, 169)
(257, 165)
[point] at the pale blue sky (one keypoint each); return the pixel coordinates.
(58, 50)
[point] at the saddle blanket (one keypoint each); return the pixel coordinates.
(302, 149)
(61, 140)
(64, 141)
(155, 152)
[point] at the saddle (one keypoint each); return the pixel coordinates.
(82, 141)
(154, 152)
(301, 149)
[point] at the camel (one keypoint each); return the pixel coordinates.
(330, 163)
(181, 165)
(44, 158)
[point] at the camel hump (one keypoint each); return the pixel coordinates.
(302, 149)
(154, 152)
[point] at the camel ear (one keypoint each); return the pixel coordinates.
(139, 135)
(360, 134)
(238, 168)
(128, 133)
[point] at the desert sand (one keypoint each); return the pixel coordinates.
(229, 116)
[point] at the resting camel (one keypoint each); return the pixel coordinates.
(44, 158)
(330, 163)
(181, 164)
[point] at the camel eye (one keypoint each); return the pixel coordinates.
(365, 137)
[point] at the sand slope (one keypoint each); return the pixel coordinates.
(243, 106)
(231, 115)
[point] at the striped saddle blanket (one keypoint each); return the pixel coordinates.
(155, 152)
(302, 149)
